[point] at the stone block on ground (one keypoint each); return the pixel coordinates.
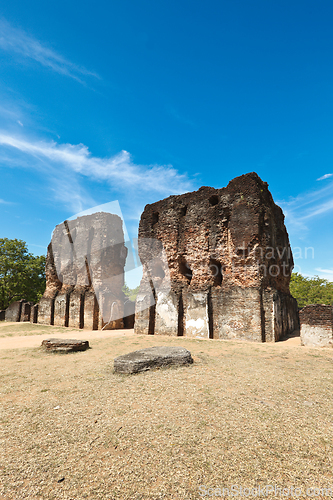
(152, 357)
(65, 345)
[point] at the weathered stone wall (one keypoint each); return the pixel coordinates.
(21, 310)
(227, 268)
(85, 274)
(13, 311)
(316, 322)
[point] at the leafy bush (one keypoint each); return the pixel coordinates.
(311, 290)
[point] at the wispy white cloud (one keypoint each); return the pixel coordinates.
(329, 271)
(4, 202)
(326, 176)
(67, 164)
(17, 41)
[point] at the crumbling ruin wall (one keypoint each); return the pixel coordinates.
(227, 268)
(85, 274)
(316, 322)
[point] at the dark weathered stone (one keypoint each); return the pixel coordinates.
(85, 259)
(13, 311)
(316, 322)
(3, 315)
(65, 345)
(152, 357)
(227, 268)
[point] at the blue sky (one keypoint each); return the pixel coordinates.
(134, 101)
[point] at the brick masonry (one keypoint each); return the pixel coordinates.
(216, 264)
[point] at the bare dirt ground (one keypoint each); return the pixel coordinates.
(243, 414)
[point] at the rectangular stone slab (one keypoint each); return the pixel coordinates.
(152, 357)
(65, 345)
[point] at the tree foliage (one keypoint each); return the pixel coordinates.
(131, 293)
(311, 290)
(22, 275)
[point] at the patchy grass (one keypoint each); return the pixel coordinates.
(243, 414)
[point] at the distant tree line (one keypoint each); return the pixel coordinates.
(311, 290)
(22, 275)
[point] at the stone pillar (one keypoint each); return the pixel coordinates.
(13, 311)
(46, 311)
(196, 322)
(76, 309)
(227, 262)
(317, 325)
(167, 313)
(61, 309)
(144, 314)
(26, 311)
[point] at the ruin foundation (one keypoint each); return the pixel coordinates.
(316, 322)
(216, 264)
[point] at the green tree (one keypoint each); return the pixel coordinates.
(311, 290)
(22, 275)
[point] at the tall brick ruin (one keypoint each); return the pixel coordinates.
(85, 274)
(227, 268)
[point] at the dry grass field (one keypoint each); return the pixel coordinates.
(243, 414)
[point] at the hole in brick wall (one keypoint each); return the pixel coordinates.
(185, 270)
(213, 200)
(183, 211)
(155, 218)
(216, 270)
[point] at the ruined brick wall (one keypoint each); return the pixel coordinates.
(85, 274)
(228, 261)
(316, 322)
